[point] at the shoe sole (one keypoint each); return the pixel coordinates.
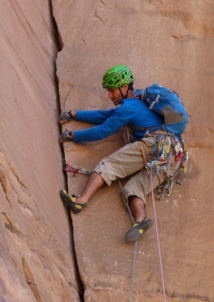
(135, 233)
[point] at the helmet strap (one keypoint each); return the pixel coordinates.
(124, 97)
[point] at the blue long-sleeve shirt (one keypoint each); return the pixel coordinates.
(132, 112)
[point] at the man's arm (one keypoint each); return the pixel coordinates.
(101, 131)
(107, 122)
(95, 117)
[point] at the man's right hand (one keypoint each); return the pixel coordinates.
(66, 136)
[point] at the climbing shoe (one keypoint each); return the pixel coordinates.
(138, 229)
(71, 201)
(65, 117)
(66, 136)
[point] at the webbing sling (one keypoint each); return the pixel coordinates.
(145, 152)
(146, 157)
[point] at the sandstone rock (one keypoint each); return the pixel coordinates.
(162, 42)
(168, 43)
(36, 261)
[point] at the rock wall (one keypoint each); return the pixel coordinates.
(36, 261)
(48, 254)
(168, 43)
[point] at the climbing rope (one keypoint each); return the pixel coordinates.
(157, 237)
(133, 272)
(135, 244)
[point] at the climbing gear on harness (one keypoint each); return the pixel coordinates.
(166, 146)
(138, 229)
(66, 136)
(71, 201)
(184, 162)
(117, 76)
(166, 103)
(65, 117)
(162, 153)
(165, 189)
(69, 168)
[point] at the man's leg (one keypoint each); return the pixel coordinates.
(95, 182)
(137, 208)
(136, 190)
(77, 203)
(142, 223)
(126, 161)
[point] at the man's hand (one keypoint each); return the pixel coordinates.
(66, 136)
(66, 117)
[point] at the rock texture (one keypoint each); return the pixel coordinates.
(48, 254)
(36, 261)
(168, 43)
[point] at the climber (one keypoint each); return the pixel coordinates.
(130, 113)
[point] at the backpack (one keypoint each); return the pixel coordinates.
(167, 103)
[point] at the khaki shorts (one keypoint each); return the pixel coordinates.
(128, 160)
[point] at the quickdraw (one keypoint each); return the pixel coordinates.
(69, 168)
(165, 189)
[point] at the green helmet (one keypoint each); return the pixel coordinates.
(117, 76)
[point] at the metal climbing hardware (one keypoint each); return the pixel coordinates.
(166, 146)
(69, 168)
(184, 162)
(165, 189)
(160, 155)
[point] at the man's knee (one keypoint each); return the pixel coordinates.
(106, 179)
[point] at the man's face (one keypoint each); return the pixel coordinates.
(115, 95)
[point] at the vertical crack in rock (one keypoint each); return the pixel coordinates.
(59, 44)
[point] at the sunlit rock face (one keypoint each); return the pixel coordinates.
(162, 42)
(36, 262)
(41, 258)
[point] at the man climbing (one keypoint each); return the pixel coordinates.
(133, 113)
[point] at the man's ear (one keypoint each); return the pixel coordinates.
(124, 87)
